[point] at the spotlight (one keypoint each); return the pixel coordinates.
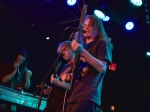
(106, 18)
(71, 2)
(148, 51)
(148, 54)
(99, 14)
(136, 3)
(129, 25)
(47, 38)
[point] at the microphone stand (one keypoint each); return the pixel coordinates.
(43, 84)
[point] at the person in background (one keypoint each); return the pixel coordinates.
(15, 74)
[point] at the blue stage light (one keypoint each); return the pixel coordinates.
(71, 2)
(129, 25)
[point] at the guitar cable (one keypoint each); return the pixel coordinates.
(64, 100)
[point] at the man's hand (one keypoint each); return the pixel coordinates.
(55, 80)
(76, 47)
(48, 90)
(66, 77)
(16, 65)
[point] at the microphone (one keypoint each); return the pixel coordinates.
(76, 29)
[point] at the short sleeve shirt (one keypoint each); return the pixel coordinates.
(90, 85)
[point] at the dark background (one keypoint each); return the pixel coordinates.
(26, 24)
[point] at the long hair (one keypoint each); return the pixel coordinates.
(99, 27)
(18, 78)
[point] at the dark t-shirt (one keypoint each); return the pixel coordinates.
(16, 81)
(90, 85)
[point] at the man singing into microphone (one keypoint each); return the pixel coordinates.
(14, 74)
(95, 56)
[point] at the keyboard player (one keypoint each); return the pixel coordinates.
(15, 74)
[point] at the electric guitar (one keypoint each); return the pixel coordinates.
(76, 72)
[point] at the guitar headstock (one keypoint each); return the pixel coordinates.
(83, 14)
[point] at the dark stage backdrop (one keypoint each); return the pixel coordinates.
(27, 24)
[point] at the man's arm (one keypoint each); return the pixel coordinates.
(9, 76)
(57, 82)
(100, 66)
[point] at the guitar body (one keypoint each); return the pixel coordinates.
(57, 95)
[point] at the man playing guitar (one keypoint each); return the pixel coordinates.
(61, 83)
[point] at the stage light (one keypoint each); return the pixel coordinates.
(137, 3)
(148, 54)
(148, 51)
(129, 25)
(47, 38)
(71, 2)
(99, 14)
(106, 18)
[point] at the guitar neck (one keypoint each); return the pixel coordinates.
(56, 68)
(76, 62)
